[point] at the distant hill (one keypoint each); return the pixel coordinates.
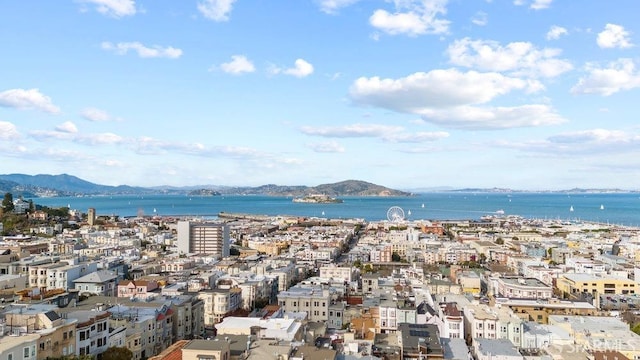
(343, 188)
(69, 185)
(62, 185)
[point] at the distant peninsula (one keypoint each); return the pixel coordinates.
(33, 186)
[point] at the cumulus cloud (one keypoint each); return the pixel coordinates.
(27, 99)
(327, 147)
(332, 6)
(555, 32)
(451, 98)
(518, 58)
(8, 131)
(67, 127)
(216, 10)
(114, 8)
(301, 69)
(493, 118)
(480, 18)
(97, 115)
(617, 76)
(535, 4)
(435, 89)
(412, 17)
(239, 64)
(143, 51)
(614, 36)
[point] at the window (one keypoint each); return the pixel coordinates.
(10, 356)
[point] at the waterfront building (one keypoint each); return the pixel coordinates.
(203, 238)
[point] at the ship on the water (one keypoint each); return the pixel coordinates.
(317, 199)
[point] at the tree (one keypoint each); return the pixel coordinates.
(500, 241)
(395, 257)
(117, 353)
(7, 203)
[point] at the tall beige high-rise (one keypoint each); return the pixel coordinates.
(209, 238)
(91, 216)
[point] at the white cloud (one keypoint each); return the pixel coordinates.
(555, 32)
(451, 98)
(492, 118)
(216, 10)
(412, 17)
(142, 50)
(518, 58)
(535, 4)
(614, 36)
(435, 89)
(8, 131)
(418, 137)
(480, 18)
(395, 134)
(351, 131)
(93, 114)
(332, 6)
(301, 69)
(114, 8)
(592, 141)
(239, 64)
(67, 127)
(100, 139)
(327, 147)
(619, 75)
(27, 99)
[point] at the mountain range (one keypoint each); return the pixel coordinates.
(30, 186)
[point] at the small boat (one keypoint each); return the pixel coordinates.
(323, 213)
(601, 207)
(423, 206)
(571, 208)
(500, 212)
(409, 212)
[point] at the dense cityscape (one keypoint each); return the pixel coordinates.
(77, 285)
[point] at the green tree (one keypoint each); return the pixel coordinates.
(500, 241)
(7, 203)
(117, 353)
(395, 257)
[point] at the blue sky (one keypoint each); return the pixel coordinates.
(525, 94)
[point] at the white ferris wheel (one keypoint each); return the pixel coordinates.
(395, 214)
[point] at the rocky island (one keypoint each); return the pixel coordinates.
(317, 199)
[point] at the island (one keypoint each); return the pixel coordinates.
(317, 199)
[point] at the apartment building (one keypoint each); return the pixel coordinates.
(56, 335)
(482, 321)
(92, 331)
(573, 284)
(203, 238)
(521, 288)
(314, 301)
(218, 303)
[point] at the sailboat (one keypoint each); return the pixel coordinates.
(409, 212)
(423, 206)
(571, 208)
(601, 207)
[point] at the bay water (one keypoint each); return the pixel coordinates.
(613, 208)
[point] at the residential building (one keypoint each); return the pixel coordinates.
(218, 303)
(482, 321)
(313, 301)
(206, 349)
(139, 289)
(101, 282)
(521, 288)
(19, 347)
(203, 238)
(574, 284)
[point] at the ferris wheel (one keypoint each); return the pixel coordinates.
(395, 214)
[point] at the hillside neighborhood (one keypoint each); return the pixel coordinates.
(75, 284)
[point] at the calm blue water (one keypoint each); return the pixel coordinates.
(621, 209)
